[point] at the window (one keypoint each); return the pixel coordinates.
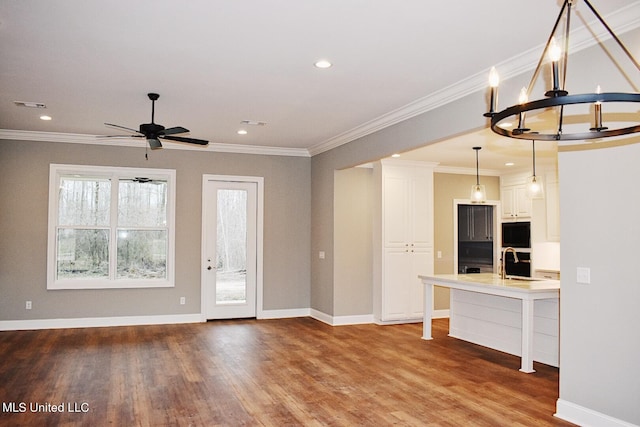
(110, 227)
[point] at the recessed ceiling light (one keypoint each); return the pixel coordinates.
(242, 132)
(323, 63)
(395, 155)
(45, 117)
(509, 164)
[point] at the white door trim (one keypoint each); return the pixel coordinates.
(259, 239)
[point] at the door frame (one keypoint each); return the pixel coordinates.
(497, 229)
(259, 181)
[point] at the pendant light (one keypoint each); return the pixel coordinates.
(535, 189)
(478, 193)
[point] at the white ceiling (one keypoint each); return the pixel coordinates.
(216, 63)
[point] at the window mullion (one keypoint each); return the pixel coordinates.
(113, 247)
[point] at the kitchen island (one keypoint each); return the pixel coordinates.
(518, 316)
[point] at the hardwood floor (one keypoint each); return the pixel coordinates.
(270, 372)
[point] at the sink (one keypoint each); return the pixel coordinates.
(524, 279)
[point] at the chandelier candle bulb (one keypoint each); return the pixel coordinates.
(494, 81)
(554, 55)
(597, 106)
(522, 99)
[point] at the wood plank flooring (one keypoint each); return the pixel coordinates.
(290, 372)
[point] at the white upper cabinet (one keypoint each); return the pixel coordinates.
(407, 206)
(513, 197)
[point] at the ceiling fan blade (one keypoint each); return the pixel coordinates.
(174, 130)
(122, 127)
(119, 136)
(154, 143)
(187, 140)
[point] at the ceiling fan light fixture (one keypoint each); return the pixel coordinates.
(153, 132)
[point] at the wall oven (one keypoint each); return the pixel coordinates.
(521, 268)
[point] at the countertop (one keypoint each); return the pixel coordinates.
(492, 284)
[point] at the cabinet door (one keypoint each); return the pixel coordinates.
(508, 201)
(421, 209)
(422, 264)
(395, 292)
(482, 223)
(523, 203)
(464, 223)
(396, 214)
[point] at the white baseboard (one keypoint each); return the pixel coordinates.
(284, 314)
(440, 314)
(365, 318)
(323, 317)
(582, 416)
(352, 320)
(97, 322)
(358, 319)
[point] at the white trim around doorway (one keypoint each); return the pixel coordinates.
(259, 239)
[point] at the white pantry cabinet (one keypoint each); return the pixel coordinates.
(403, 238)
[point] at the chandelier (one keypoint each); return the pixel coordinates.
(557, 98)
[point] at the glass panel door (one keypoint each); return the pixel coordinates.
(231, 247)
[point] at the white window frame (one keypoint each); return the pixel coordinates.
(56, 172)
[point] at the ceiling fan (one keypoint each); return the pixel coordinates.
(154, 132)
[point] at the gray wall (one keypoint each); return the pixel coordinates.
(24, 173)
(600, 321)
(353, 237)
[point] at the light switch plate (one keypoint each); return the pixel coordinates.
(583, 275)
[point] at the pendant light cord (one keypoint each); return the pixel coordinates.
(534, 157)
(477, 166)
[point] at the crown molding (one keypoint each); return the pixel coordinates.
(74, 138)
(620, 21)
(456, 170)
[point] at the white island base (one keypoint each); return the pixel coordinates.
(518, 317)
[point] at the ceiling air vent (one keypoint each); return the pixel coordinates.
(253, 123)
(29, 104)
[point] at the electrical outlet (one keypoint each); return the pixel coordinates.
(321, 254)
(183, 300)
(28, 305)
(439, 254)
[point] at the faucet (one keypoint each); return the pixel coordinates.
(503, 265)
